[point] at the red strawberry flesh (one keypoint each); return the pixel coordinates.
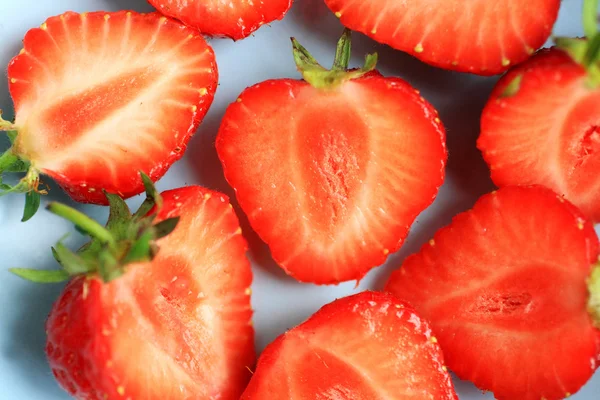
(235, 19)
(176, 328)
(504, 287)
(101, 96)
(367, 346)
(332, 179)
(478, 36)
(548, 132)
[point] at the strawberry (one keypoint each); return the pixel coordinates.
(542, 124)
(332, 171)
(101, 96)
(478, 36)
(133, 324)
(235, 19)
(364, 347)
(504, 287)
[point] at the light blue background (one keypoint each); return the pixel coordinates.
(279, 301)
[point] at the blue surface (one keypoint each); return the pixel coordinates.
(280, 302)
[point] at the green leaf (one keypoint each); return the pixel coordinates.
(343, 51)
(119, 210)
(55, 255)
(92, 247)
(320, 77)
(144, 209)
(32, 204)
(7, 159)
(120, 218)
(153, 198)
(165, 227)
(81, 230)
(304, 60)
(41, 276)
(141, 249)
(574, 47)
(513, 87)
(72, 263)
(4, 186)
(593, 51)
(82, 222)
(590, 17)
(151, 191)
(12, 136)
(370, 62)
(108, 267)
(18, 166)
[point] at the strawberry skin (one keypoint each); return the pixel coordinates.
(369, 346)
(504, 287)
(101, 96)
(548, 132)
(332, 179)
(176, 328)
(476, 36)
(235, 19)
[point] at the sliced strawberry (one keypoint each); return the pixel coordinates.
(332, 177)
(235, 19)
(101, 96)
(542, 126)
(177, 328)
(369, 346)
(478, 36)
(504, 287)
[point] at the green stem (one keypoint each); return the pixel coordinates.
(85, 223)
(594, 300)
(590, 17)
(7, 159)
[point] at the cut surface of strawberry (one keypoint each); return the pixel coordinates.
(369, 346)
(332, 173)
(504, 288)
(177, 327)
(542, 126)
(477, 36)
(101, 96)
(235, 19)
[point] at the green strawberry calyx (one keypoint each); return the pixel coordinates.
(594, 299)
(323, 78)
(10, 161)
(586, 51)
(125, 240)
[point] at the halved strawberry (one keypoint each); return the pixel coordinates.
(542, 126)
(477, 36)
(369, 346)
(101, 96)
(176, 327)
(504, 287)
(332, 171)
(235, 19)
